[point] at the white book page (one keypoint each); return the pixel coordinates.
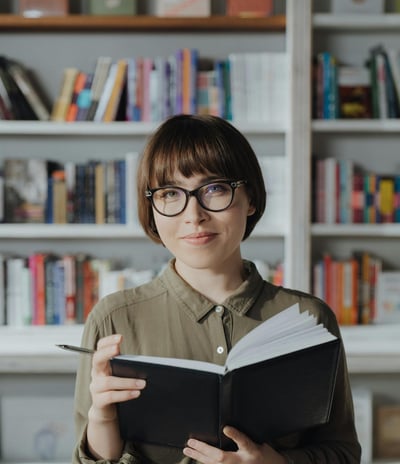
(268, 328)
(302, 322)
(278, 349)
(177, 362)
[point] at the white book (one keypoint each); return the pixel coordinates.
(274, 87)
(275, 171)
(106, 93)
(131, 160)
(238, 87)
(388, 297)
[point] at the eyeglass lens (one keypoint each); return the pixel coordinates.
(215, 196)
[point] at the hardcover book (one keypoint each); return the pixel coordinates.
(277, 379)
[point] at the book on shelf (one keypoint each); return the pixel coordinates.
(388, 297)
(387, 431)
(249, 8)
(63, 100)
(25, 190)
(29, 87)
(100, 75)
(84, 98)
(117, 89)
(106, 93)
(16, 104)
(79, 84)
(274, 169)
(354, 90)
(180, 8)
(253, 391)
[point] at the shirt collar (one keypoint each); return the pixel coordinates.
(198, 306)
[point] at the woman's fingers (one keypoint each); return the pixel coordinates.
(107, 347)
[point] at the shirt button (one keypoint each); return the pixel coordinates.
(219, 309)
(220, 349)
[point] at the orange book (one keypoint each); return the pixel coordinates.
(349, 311)
(36, 266)
(70, 289)
(249, 8)
(73, 106)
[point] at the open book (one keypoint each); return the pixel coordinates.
(279, 378)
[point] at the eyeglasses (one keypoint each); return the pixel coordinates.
(213, 196)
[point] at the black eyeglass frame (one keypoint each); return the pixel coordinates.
(234, 184)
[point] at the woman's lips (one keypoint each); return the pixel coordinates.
(200, 238)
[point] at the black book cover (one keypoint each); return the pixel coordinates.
(264, 400)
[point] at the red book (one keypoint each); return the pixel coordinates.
(36, 266)
(357, 197)
(249, 7)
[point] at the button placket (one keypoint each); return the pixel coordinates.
(221, 349)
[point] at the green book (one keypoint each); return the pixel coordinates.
(114, 7)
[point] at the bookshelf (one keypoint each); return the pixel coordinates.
(29, 352)
(372, 351)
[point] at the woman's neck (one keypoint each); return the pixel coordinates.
(215, 284)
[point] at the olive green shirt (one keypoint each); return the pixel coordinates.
(167, 317)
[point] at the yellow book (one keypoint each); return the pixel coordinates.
(386, 199)
(61, 105)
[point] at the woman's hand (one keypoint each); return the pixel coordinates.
(104, 441)
(248, 452)
(106, 390)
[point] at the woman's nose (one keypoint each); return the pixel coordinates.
(194, 212)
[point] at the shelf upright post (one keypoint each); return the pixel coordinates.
(298, 144)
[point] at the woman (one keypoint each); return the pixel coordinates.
(200, 194)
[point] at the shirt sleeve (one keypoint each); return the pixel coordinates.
(82, 401)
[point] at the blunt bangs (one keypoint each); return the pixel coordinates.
(196, 148)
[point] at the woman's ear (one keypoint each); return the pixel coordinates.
(251, 210)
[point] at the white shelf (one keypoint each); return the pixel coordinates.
(356, 230)
(372, 349)
(356, 125)
(356, 21)
(32, 349)
(369, 349)
(93, 231)
(69, 231)
(89, 128)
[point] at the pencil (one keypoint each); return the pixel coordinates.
(79, 349)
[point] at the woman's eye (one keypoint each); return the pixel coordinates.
(216, 188)
(169, 194)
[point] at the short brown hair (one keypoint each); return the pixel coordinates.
(193, 144)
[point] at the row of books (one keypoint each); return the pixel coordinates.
(92, 192)
(249, 87)
(21, 96)
(47, 288)
(344, 194)
(245, 86)
(351, 91)
(357, 288)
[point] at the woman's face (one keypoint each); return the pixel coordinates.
(201, 239)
